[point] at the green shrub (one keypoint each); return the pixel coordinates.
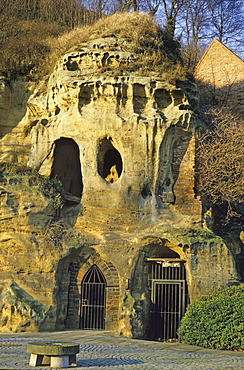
(17, 169)
(215, 320)
(50, 188)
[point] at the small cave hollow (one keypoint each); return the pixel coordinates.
(72, 65)
(178, 97)
(146, 192)
(66, 166)
(109, 161)
(85, 95)
(162, 98)
(139, 97)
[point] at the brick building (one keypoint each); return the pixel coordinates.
(220, 77)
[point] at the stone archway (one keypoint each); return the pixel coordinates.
(93, 299)
(111, 277)
(70, 273)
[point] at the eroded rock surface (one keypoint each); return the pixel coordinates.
(122, 146)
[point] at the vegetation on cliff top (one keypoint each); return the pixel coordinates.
(27, 24)
(34, 47)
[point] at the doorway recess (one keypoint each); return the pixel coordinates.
(93, 300)
(66, 166)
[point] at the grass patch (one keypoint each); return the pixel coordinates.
(198, 233)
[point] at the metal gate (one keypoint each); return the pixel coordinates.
(93, 300)
(168, 298)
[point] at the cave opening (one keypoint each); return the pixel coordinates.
(109, 161)
(67, 167)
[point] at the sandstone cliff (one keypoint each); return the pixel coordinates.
(122, 146)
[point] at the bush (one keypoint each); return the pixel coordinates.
(215, 320)
(50, 188)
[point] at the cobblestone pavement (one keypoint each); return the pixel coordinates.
(100, 349)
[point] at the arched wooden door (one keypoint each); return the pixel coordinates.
(93, 300)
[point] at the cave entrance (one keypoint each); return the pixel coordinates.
(93, 300)
(67, 168)
(167, 281)
(109, 161)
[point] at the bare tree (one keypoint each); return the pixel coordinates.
(151, 6)
(197, 22)
(220, 160)
(193, 25)
(202, 20)
(226, 19)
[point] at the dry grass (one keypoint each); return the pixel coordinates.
(24, 46)
(32, 48)
(144, 37)
(134, 27)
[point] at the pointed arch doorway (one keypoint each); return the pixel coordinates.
(93, 299)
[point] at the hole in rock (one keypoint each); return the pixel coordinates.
(85, 95)
(67, 168)
(139, 97)
(72, 65)
(178, 97)
(145, 193)
(162, 98)
(109, 161)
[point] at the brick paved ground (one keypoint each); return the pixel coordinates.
(104, 350)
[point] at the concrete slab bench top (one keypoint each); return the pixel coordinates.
(56, 354)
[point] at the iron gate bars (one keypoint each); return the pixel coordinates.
(167, 282)
(168, 302)
(93, 300)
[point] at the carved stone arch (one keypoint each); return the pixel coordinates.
(106, 267)
(112, 288)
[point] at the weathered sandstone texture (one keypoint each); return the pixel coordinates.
(13, 98)
(123, 147)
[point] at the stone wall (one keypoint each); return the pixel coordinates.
(41, 273)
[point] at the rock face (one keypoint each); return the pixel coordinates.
(13, 98)
(129, 229)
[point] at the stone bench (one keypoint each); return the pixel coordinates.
(54, 354)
